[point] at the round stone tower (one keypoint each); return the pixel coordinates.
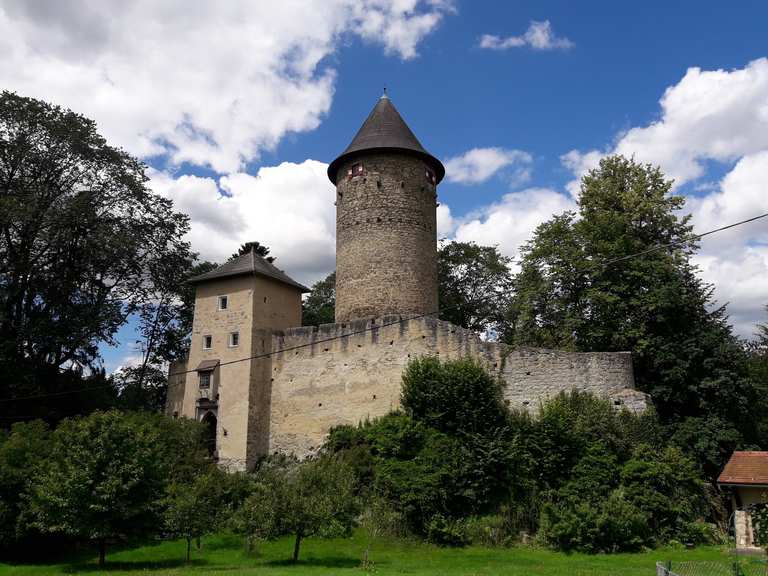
(386, 229)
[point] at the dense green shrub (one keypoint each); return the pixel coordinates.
(447, 531)
(609, 525)
(491, 531)
(665, 485)
(430, 473)
(588, 475)
(458, 396)
(22, 451)
(759, 513)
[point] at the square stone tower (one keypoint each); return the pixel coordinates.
(237, 306)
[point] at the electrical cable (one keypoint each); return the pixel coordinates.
(384, 325)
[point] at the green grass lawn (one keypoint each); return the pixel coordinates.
(221, 555)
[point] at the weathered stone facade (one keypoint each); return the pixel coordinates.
(742, 499)
(238, 392)
(282, 388)
(386, 237)
(347, 373)
(319, 377)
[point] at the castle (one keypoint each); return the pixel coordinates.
(264, 384)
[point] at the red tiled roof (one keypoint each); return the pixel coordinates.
(746, 468)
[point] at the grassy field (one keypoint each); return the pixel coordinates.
(222, 555)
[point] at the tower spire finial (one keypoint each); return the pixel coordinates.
(384, 95)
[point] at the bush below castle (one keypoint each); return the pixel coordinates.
(581, 475)
(454, 467)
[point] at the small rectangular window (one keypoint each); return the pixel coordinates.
(223, 302)
(355, 170)
(430, 176)
(207, 342)
(205, 379)
(234, 339)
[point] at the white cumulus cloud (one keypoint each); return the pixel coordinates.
(712, 117)
(287, 207)
(538, 36)
(736, 260)
(716, 115)
(510, 222)
(479, 164)
(208, 83)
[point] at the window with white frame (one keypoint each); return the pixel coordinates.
(205, 379)
(223, 302)
(207, 342)
(234, 339)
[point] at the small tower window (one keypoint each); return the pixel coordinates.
(223, 302)
(234, 339)
(207, 342)
(205, 380)
(430, 176)
(355, 170)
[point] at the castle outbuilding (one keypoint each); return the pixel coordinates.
(265, 384)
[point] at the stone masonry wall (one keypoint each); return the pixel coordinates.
(533, 374)
(347, 380)
(386, 238)
(239, 392)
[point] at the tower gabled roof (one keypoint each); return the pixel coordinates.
(385, 130)
(248, 264)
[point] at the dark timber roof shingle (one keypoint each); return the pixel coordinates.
(248, 263)
(385, 130)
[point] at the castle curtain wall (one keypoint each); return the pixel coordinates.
(358, 377)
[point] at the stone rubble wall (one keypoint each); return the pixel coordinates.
(349, 372)
(386, 238)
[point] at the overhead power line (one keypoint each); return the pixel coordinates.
(683, 241)
(385, 324)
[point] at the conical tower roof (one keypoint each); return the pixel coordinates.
(385, 131)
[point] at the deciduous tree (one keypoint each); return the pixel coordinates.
(581, 287)
(320, 306)
(84, 243)
(106, 476)
(474, 285)
(192, 508)
(315, 497)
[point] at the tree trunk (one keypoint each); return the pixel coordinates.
(102, 552)
(296, 547)
(189, 545)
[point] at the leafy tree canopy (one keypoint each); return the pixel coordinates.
(314, 498)
(84, 244)
(257, 247)
(454, 397)
(654, 305)
(106, 475)
(320, 306)
(475, 285)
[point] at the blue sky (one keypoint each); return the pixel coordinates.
(238, 108)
